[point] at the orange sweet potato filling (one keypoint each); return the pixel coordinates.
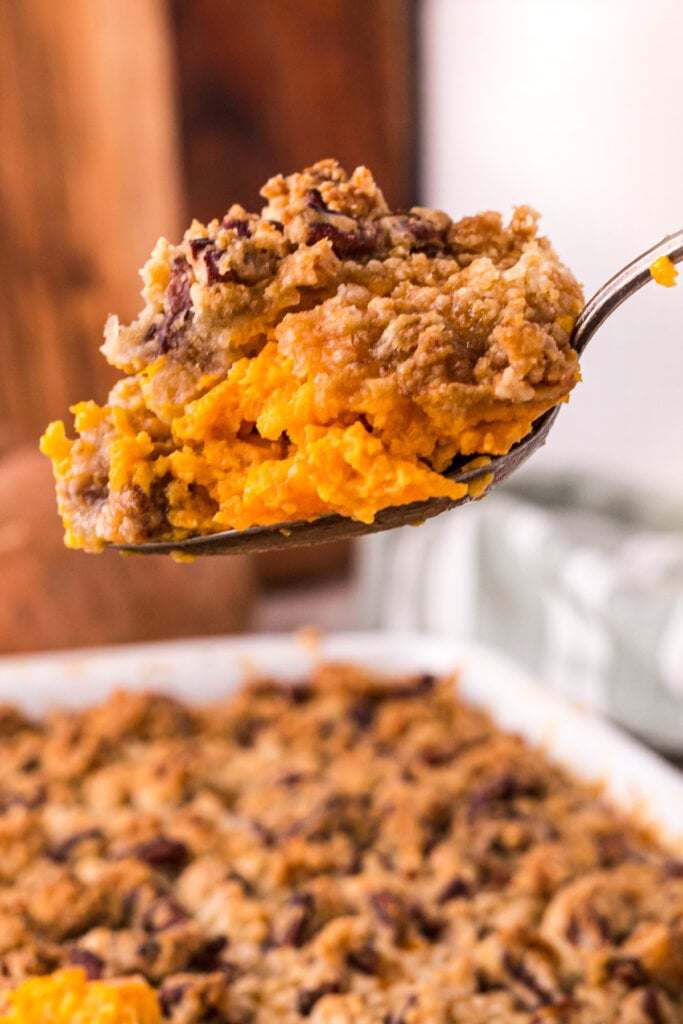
(67, 997)
(327, 356)
(664, 271)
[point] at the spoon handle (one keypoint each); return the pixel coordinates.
(624, 283)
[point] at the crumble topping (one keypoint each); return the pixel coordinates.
(350, 848)
(326, 355)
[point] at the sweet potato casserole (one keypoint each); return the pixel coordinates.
(327, 355)
(350, 849)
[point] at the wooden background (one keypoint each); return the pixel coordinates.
(122, 119)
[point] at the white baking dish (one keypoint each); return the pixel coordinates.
(203, 669)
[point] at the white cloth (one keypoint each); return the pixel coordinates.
(579, 580)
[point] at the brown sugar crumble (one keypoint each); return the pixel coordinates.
(351, 848)
(326, 355)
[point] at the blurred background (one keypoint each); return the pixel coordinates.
(123, 119)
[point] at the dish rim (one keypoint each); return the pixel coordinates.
(633, 777)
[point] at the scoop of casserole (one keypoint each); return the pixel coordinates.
(327, 355)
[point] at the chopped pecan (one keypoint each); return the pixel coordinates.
(420, 686)
(362, 713)
(428, 927)
(30, 799)
(162, 914)
(170, 995)
(247, 887)
(214, 275)
(237, 224)
(502, 789)
(673, 869)
(291, 779)
(391, 911)
(415, 231)
(401, 1016)
(149, 949)
(588, 927)
(92, 964)
(297, 929)
(178, 298)
(628, 970)
(178, 305)
(614, 848)
(163, 853)
(62, 851)
(197, 245)
(651, 1006)
(206, 958)
(456, 889)
(348, 235)
(300, 693)
(308, 997)
(366, 959)
(526, 980)
(12, 721)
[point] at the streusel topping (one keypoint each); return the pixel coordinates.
(326, 355)
(347, 850)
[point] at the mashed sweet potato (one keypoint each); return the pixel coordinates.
(664, 272)
(327, 355)
(67, 997)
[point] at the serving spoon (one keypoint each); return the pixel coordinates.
(487, 472)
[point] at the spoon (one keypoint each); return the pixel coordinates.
(334, 527)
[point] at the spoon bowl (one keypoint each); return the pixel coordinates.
(488, 473)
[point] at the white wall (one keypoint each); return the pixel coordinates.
(575, 107)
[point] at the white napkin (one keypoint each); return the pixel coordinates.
(580, 580)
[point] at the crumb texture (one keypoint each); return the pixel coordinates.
(326, 355)
(350, 848)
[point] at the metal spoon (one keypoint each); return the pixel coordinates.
(333, 527)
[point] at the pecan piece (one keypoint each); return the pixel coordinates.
(213, 273)
(401, 1016)
(628, 970)
(237, 224)
(430, 928)
(673, 869)
(308, 997)
(362, 713)
(348, 235)
(29, 800)
(391, 911)
(178, 305)
(588, 928)
(456, 889)
(651, 1006)
(62, 851)
(197, 245)
(92, 964)
(162, 853)
(170, 995)
(206, 958)
(502, 790)
(366, 959)
(525, 979)
(298, 927)
(162, 914)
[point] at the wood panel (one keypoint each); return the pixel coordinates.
(88, 180)
(274, 86)
(270, 87)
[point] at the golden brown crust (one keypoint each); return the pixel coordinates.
(350, 848)
(280, 355)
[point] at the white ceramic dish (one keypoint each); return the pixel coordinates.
(202, 669)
